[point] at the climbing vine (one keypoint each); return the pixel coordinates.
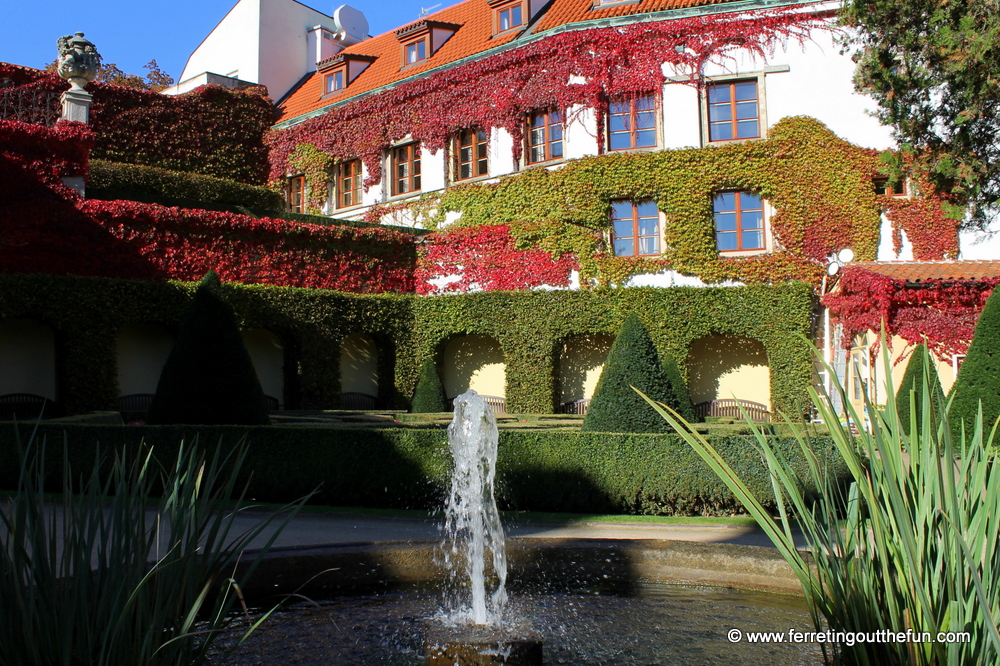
(574, 67)
(315, 165)
(942, 311)
(819, 185)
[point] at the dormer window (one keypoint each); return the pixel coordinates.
(416, 52)
(508, 15)
(334, 82)
(422, 39)
(341, 70)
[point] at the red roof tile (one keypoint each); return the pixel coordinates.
(474, 36)
(918, 271)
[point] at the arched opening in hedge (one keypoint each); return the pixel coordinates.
(359, 372)
(580, 362)
(722, 367)
(268, 356)
(474, 362)
(27, 358)
(141, 350)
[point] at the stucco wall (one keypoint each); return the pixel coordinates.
(268, 358)
(142, 351)
(358, 365)
(580, 366)
(728, 366)
(474, 362)
(27, 358)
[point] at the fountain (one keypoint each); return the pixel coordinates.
(471, 631)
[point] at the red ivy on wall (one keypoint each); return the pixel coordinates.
(499, 90)
(486, 259)
(945, 311)
(49, 153)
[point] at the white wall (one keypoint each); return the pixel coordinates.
(27, 358)
(261, 41)
(580, 132)
(681, 117)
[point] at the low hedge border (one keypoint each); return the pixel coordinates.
(120, 181)
(407, 469)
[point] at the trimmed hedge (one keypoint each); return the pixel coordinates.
(407, 469)
(428, 396)
(978, 381)
(531, 328)
(920, 363)
(112, 181)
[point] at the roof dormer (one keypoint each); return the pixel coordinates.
(340, 71)
(508, 15)
(421, 40)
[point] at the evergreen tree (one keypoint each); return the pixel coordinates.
(679, 385)
(428, 396)
(979, 379)
(632, 361)
(913, 381)
(208, 378)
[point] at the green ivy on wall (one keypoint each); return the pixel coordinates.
(315, 165)
(819, 185)
(531, 327)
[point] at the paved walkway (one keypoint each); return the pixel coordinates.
(311, 529)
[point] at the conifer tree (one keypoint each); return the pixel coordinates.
(428, 396)
(632, 361)
(979, 379)
(208, 378)
(913, 381)
(679, 385)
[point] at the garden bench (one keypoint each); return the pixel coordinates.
(24, 406)
(271, 403)
(730, 408)
(135, 403)
(357, 400)
(576, 407)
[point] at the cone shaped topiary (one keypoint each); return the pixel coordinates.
(913, 381)
(428, 396)
(979, 378)
(208, 378)
(678, 384)
(632, 361)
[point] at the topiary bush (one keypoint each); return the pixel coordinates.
(632, 361)
(679, 385)
(208, 378)
(429, 395)
(913, 380)
(979, 379)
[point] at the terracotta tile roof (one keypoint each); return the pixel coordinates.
(475, 36)
(918, 271)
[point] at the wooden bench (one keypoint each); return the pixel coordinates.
(135, 403)
(357, 400)
(25, 407)
(730, 408)
(271, 403)
(579, 407)
(496, 403)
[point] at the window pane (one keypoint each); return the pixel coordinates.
(724, 201)
(647, 226)
(745, 90)
(746, 110)
(753, 240)
(505, 20)
(649, 245)
(726, 241)
(725, 221)
(720, 132)
(555, 131)
(556, 150)
(624, 247)
(645, 120)
(619, 107)
(647, 209)
(621, 210)
(645, 103)
(645, 138)
(749, 201)
(719, 93)
(619, 123)
(746, 129)
(621, 141)
(752, 220)
(623, 228)
(515, 13)
(719, 113)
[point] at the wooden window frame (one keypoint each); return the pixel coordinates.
(547, 140)
(297, 194)
(633, 131)
(733, 121)
(636, 236)
(479, 147)
(425, 41)
(410, 154)
(332, 76)
(348, 171)
(521, 6)
(739, 230)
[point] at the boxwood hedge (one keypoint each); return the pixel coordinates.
(407, 468)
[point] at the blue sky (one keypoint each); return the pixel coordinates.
(130, 33)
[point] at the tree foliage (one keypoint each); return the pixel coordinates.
(934, 69)
(428, 397)
(979, 379)
(156, 80)
(632, 362)
(208, 378)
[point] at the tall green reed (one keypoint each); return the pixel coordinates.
(137, 567)
(911, 545)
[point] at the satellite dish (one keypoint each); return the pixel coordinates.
(833, 269)
(846, 255)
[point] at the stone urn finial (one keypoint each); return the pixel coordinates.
(78, 60)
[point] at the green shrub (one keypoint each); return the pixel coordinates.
(978, 381)
(632, 361)
(679, 385)
(136, 182)
(209, 377)
(920, 373)
(429, 395)
(404, 468)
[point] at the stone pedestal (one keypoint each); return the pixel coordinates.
(76, 105)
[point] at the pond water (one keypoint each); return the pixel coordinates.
(665, 624)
